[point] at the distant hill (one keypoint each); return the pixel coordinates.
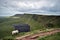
(18, 14)
(43, 19)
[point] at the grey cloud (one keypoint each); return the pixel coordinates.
(12, 6)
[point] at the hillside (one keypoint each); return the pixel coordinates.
(36, 22)
(43, 19)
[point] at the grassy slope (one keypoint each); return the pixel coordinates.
(35, 23)
(7, 26)
(51, 37)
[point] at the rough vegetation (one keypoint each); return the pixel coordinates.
(36, 22)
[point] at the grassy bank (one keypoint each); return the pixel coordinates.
(51, 37)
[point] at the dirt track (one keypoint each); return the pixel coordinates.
(35, 36)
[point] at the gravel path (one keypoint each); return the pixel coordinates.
(35, 36)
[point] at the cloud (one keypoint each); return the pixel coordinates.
(32, 6)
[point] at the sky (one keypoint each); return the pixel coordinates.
(41, 7)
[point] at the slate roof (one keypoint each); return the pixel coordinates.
(22, 27)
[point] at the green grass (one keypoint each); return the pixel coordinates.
(51, 37)
(6, 24)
